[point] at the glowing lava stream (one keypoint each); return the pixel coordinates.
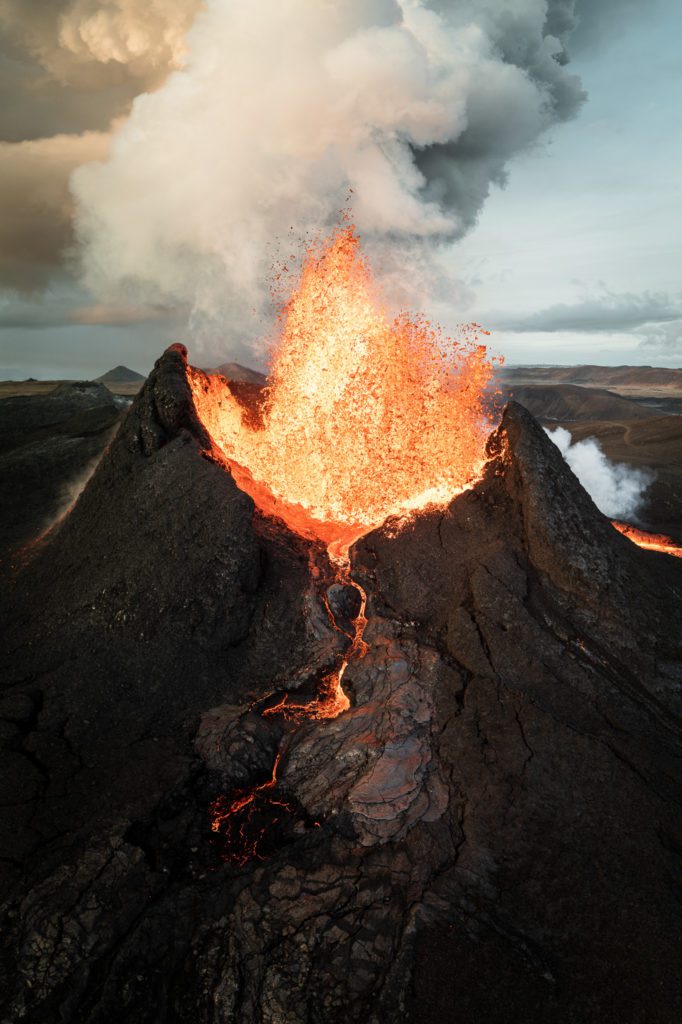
(331, 699)
(648, 541)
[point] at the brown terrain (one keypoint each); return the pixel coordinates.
(28, 388)
(119, 381)
(635, 412)
(646, 382)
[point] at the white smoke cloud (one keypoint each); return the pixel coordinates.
(280, 107)
(616, 489)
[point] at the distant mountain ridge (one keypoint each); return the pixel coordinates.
(572, 402)
(235, 371)
(122, 375)
(599, 376)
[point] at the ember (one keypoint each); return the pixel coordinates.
(244, 820)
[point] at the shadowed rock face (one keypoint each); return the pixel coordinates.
(49, 446)
(491, 832)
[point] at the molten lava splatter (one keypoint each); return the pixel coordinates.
(363, 417)
(650, 541)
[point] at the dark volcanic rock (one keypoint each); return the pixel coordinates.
(562, 749)
(491, 832)
(49, 447)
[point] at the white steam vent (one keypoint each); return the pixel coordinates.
(616, 489)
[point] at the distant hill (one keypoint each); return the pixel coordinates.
(616, 378)
(235, 371)
(120, 375)
(569, 402)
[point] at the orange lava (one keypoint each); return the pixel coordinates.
(650, 541)
(363, 417)
(235, 819)
(331, 698)
(244, 799)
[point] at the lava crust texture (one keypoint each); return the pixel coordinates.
(491, 832)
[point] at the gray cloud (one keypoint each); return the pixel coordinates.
(69, 66)
(36, 210)
(79, 352)
(42, 106)
(664, 339)
(63, 305)
(51, 309)
(94, 43)
(420, 118)
(506, 112)
(598, 22)
(608, 312)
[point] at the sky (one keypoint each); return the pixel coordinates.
(579, 258)
(558, 232)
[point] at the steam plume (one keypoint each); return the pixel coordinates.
(282, 105)
(617, 490)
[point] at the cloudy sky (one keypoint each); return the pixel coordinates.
(526, 161)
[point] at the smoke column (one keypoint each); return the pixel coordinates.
(617, 490)
(280, 107)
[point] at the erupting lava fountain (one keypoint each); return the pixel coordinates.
(363, 417)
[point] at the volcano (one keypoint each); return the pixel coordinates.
(488, 829)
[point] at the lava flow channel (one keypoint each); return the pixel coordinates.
(244, 820)
(331, 698)
(649, 541)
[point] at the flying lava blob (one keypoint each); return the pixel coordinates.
(364, 416)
